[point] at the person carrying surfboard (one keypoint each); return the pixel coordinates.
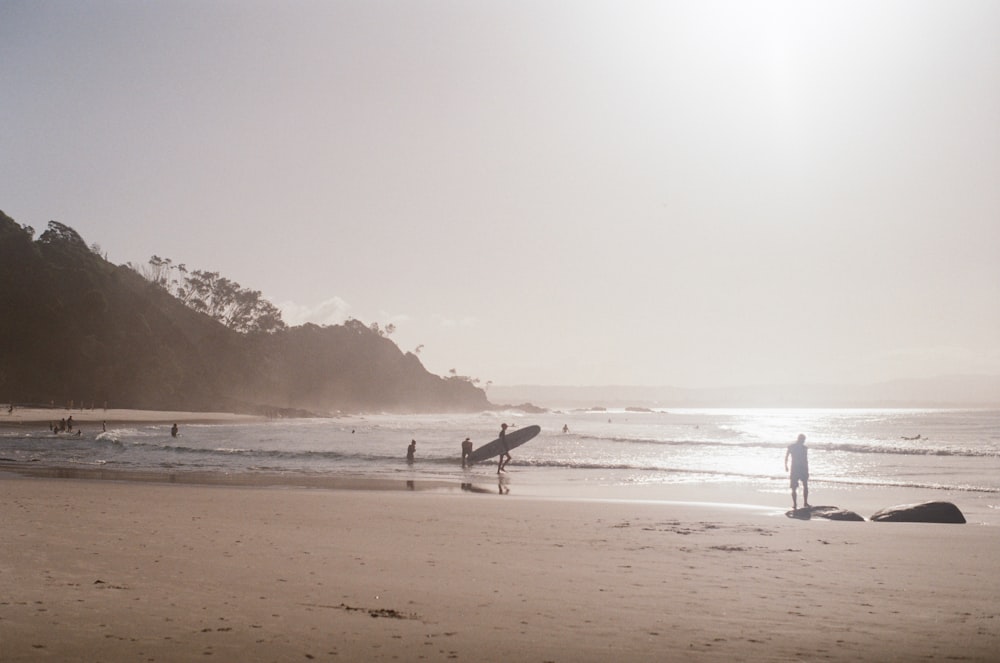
(505, 454)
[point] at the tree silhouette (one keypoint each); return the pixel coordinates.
(238, 308)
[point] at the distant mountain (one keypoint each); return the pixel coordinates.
(945, 391)
(74, 327)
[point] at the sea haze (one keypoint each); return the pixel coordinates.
(942, 391)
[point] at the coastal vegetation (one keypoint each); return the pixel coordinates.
(75, 327)
(226, 301)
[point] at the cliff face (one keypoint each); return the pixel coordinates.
(75, 327)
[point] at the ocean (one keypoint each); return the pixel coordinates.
(714, 454)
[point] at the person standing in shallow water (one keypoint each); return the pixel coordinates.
(799, 455)
(466, 451)
(411, 451)
(173, 431)
(505, 454)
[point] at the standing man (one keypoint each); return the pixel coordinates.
(466, 451)
(800, 470)
(411, 451)
(505, 454)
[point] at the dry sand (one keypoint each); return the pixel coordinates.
(130, 571)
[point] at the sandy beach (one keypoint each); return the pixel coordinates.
(140, 571)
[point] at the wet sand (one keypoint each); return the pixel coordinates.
(150, 571)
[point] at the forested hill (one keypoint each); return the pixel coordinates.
(75, 327)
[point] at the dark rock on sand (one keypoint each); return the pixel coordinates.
(828, 512)
(926, 512)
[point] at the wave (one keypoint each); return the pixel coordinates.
(922, 485)
(891, 448)
(368, 454)
(293, 455)
(715, 475)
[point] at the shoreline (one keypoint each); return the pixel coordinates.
(128, 570)
(94, 417)
(978, 509)
(600, 484)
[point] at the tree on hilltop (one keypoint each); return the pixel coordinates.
(58, 233)
(225, 300)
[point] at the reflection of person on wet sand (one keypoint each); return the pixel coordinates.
(505, 454)
(466, 451)
(799, 455)
(501, 487)
(411, 450)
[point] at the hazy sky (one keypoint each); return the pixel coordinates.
(574, 192)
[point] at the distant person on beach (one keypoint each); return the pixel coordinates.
(505, 454)
(799, 455)
(565, 428)
(411, 451)
(173, 431)
(466, 451)
(69, 423)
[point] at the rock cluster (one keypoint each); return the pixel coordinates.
(925, 512)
